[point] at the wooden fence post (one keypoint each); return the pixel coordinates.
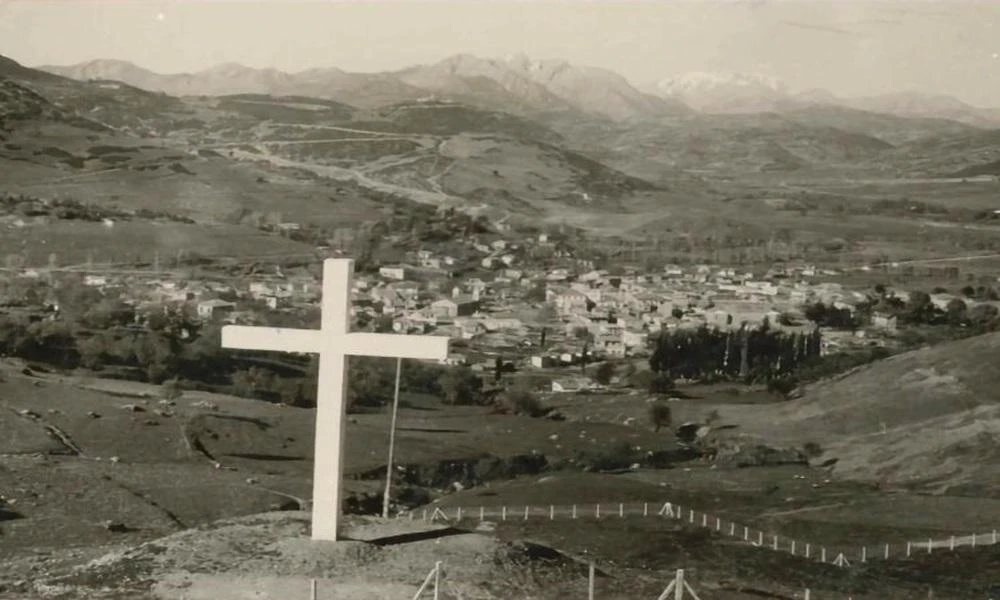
(760, 538)
(887, 551)
(808, 548)
(691, 516)
(312, 589)
(503, 513)
(806, 597)
(909, 548)
(482, 513)
(732, 529)
(645, 509)
(574, 511)
(930, 545)
(590, 583)
(775, 543)
(793, 547)
(679, 587)
(718, 523)
(437, 578)
(822, 556)
(704, 520)
(951, 544)
(526, 509)
(973, 540)
(621, 510)
(458, 514)
(597, 511)
(425, 514)
(552, 512)
(746, 533)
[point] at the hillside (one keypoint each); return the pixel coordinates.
(929, 417)
(729, 144)
(890, 128)
(210, 158)
(432, 151)
(946, 154)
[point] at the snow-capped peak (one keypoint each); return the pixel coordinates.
(701, 81)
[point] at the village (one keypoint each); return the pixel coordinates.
(503, 306)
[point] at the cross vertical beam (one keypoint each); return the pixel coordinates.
(334, 343)
(331, 399)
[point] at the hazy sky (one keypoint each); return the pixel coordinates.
(850, 48)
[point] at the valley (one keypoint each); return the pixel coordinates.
(569, 233)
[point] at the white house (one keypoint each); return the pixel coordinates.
(454, 359)
(461, 306)
(397, 272)
(542, 362)
(211, 309)
(635, 338)
(571, 385)
(570, 301)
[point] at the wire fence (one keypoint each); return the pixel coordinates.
(679, 587)
(841, 555)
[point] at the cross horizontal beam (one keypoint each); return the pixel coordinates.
(278, 339)
(314, 341)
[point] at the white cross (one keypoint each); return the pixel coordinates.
(333, 343)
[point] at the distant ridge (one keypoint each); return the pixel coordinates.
(748, 93)
(516, 84)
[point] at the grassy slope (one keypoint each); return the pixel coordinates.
(929, 416)
(159, 485)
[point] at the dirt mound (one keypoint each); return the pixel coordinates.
(270, 554)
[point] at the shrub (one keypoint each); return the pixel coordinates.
(782, 385)
(171, 389)
(520, 401)
(659, 415)
(642, 380)
(660, 383)
(619, 455)
(460, 385)
(605, 371)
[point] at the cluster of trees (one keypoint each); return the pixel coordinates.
(69, 209)
(166, 345)
(831, 316)
(919, 310)
(712, 353)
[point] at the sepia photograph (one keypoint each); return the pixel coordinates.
(499, 300)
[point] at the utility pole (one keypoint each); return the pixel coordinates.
(392, 441)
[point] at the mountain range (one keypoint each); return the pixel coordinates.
(521, 85)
